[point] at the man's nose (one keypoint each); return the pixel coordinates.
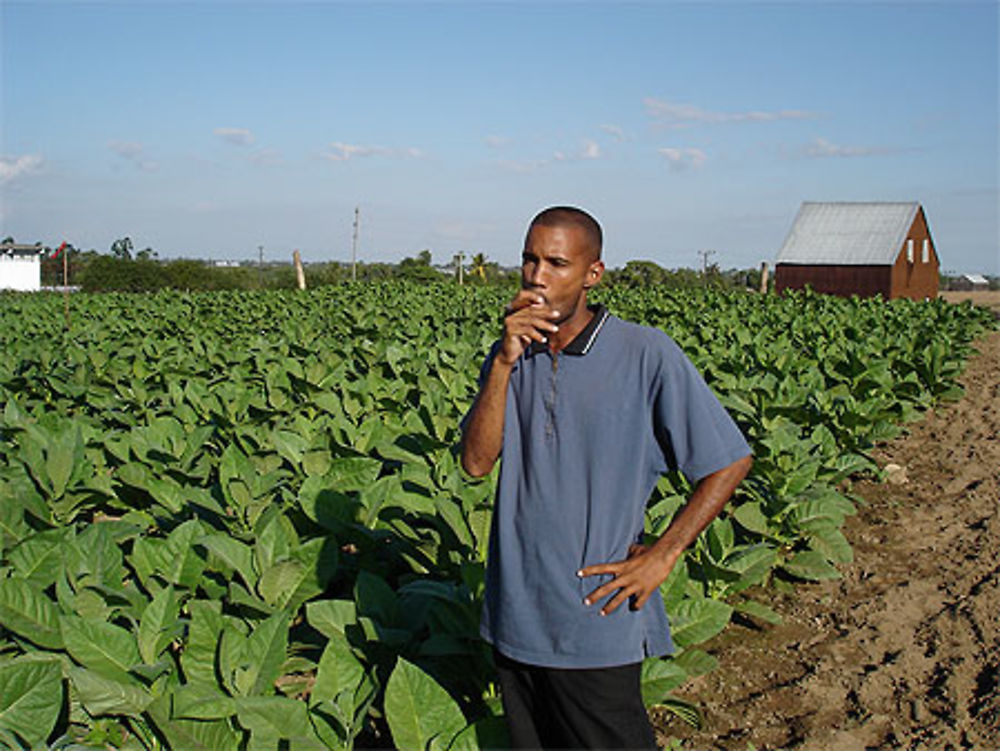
(535, 277)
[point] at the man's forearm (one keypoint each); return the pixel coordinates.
(483, 437)
(645, 568)
(709, 497)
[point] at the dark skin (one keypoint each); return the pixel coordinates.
(558, 267)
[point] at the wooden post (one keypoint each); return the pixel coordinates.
(66, 285)
(300, 274)
(354, 244)
(763, 277)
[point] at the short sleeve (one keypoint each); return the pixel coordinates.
(695, 433)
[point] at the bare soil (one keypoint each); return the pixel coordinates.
(903, 651)
(987, 299)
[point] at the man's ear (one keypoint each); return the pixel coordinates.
(594, 274)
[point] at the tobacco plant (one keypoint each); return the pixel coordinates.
(237, 520)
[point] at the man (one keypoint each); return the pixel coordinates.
(587, 411)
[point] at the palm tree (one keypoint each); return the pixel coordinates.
(478, 266)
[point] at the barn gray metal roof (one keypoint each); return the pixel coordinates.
(21, 250)
(852, 234)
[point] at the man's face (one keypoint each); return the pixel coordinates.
(557, 264)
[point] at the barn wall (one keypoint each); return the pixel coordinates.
(863, 281)
(917, 280)
(24, 274)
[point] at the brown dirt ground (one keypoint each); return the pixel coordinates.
(903, 651)
(989, 299)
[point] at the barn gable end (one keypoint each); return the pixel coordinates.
(20, 267)
(862, 249)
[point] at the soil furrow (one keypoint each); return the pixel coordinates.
(902, 652)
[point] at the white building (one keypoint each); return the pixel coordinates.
(21, 267)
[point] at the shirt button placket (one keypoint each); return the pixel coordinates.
(550, 399)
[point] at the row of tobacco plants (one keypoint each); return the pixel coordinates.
(236, 520)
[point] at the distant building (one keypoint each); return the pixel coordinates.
(20, 267)
(863, 249)
(970, 283)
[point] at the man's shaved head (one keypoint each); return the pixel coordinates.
(570, 216)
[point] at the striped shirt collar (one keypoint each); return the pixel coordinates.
(583, 341)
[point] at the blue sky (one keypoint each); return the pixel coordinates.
(206, 129)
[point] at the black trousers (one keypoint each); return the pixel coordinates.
(555, 708)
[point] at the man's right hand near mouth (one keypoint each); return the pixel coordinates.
(528, 318)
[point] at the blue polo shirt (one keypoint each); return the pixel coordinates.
(587, 433)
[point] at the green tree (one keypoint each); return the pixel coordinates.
(122, 248)
(418, 269)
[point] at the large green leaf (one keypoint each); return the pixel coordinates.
(184, 564)
(376, 599)
(811, 565)
(339, 671)
(263, 654)
(290, 582)
(353, 473)
(39, 558)
(64, 452)
(658, 678)
(271, 719)
(275, 539)
(695, 620)
(106, 696)
(29, 613)
(192, 735)
(331, 617)
(420, 713)
(31, 698)
(198, 658)
(201, 702)
(103, 647)
(159, 625)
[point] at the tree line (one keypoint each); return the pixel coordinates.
(125, 269)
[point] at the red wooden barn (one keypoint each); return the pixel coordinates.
(863, 249)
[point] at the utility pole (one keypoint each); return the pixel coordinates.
(260, 266)
(461, 262)
(354, 244)
(704, 260)
(65, 255)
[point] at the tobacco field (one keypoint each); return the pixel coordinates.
(237, 520)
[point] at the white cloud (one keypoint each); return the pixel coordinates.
(236, 136)
(497, 142)
(126, 149)
(680, 159)
(677, 115)
(613, 130)
(341, 152)
(12, 167)
(344, 151)
(524, 165)
(266, 157)
(133, 152)
(590, 150)
(820, 147)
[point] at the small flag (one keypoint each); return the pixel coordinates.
(59, 250)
